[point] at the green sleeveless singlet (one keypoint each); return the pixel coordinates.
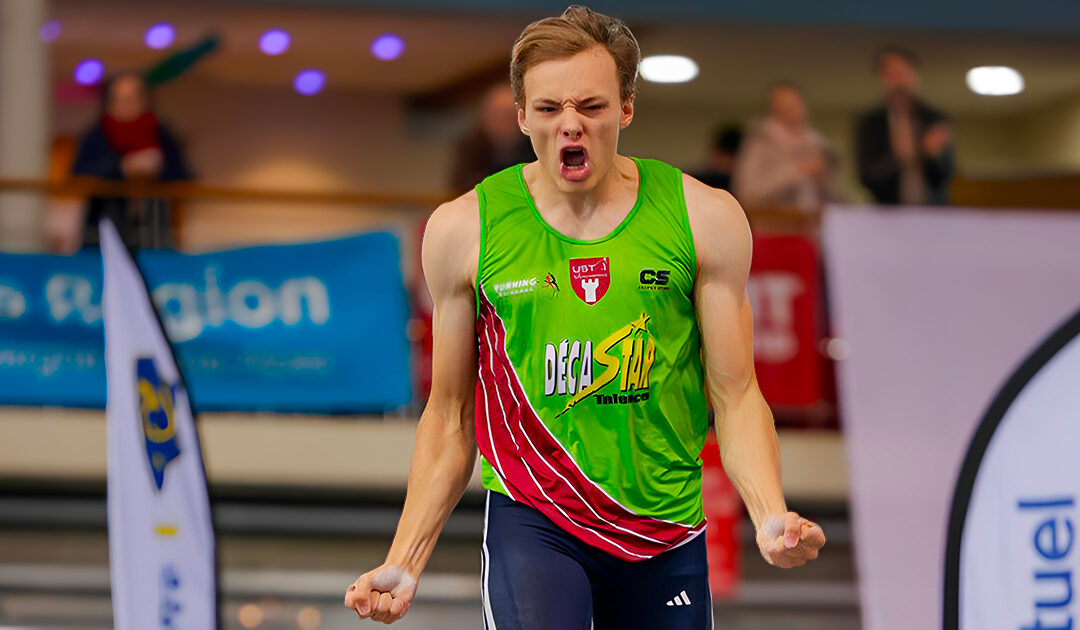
(590, 400)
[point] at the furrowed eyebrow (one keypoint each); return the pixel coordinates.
(585, 102)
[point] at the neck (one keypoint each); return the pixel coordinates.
(621, 177)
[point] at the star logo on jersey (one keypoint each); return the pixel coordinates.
(590, 278)
(627, 355)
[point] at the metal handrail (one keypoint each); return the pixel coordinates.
(87, 187)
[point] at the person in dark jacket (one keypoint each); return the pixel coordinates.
(722, 155)
(904, 147)
(494, 144)
(129, 143)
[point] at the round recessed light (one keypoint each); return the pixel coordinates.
(668, 69)
(995, 81)
(274, 42)
(50, 31)
(159, 36)
(89, 72)
(309, 82)
(387, 47)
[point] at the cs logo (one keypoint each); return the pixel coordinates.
(156, 410)
(654, 278)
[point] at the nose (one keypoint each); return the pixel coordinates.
(571, 124)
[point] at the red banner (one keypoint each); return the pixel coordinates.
(723, 509)
(420, 324)
(785, 294)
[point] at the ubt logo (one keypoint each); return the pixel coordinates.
(590, 278)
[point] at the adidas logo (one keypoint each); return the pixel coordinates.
(679, 600)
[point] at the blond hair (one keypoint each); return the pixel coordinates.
(576, 30)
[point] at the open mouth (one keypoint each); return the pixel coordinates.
(574, 158)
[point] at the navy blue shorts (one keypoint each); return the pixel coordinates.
(535, 576)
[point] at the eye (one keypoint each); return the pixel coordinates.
(595, 107)
(547, 109)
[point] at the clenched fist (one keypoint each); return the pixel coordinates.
(789, 540)
(383, 594)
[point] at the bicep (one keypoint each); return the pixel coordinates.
(450, 249)
(723, 242)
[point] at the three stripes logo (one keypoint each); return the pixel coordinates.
(682, 599)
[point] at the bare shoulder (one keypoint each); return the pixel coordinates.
(718, 223)
(451, 246)
(457, 217)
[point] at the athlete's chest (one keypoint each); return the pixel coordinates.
(586, 281)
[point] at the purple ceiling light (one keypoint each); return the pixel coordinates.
(50, 31)
(274, 42)
(309, 82)
(89, 72)
(159, 36)
(387, 47)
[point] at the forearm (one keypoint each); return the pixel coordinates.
(750, 453)
(442, 464)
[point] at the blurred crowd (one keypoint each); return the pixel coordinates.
(903, 151)
(903, 147)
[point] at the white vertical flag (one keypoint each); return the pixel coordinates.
(161, 540)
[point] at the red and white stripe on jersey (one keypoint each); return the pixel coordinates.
(537, 470)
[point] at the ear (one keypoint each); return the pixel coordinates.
(521, 121)
(627, 112)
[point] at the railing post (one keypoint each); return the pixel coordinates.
(24, 120)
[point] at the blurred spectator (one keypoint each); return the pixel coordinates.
(496, 142)
(784, 163)
(725, 147)
(129, 143)
(904, 147)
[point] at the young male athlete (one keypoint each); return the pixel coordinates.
(583, 305)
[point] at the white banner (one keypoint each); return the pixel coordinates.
(161, 541)
(939, 308)
(1011, 557)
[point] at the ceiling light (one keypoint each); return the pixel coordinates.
(49, 31)
(995, 81)
(159, 36)
(668, 69)
(387, 47)
(309, 82)
(274, 42)
(89, 72)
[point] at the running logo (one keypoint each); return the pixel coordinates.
(515, 287)
(679, 600)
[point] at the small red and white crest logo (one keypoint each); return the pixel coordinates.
(590, 278)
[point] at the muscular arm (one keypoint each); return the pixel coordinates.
(744, 423)
(445, 449)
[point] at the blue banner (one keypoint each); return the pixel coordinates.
(315, 327)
